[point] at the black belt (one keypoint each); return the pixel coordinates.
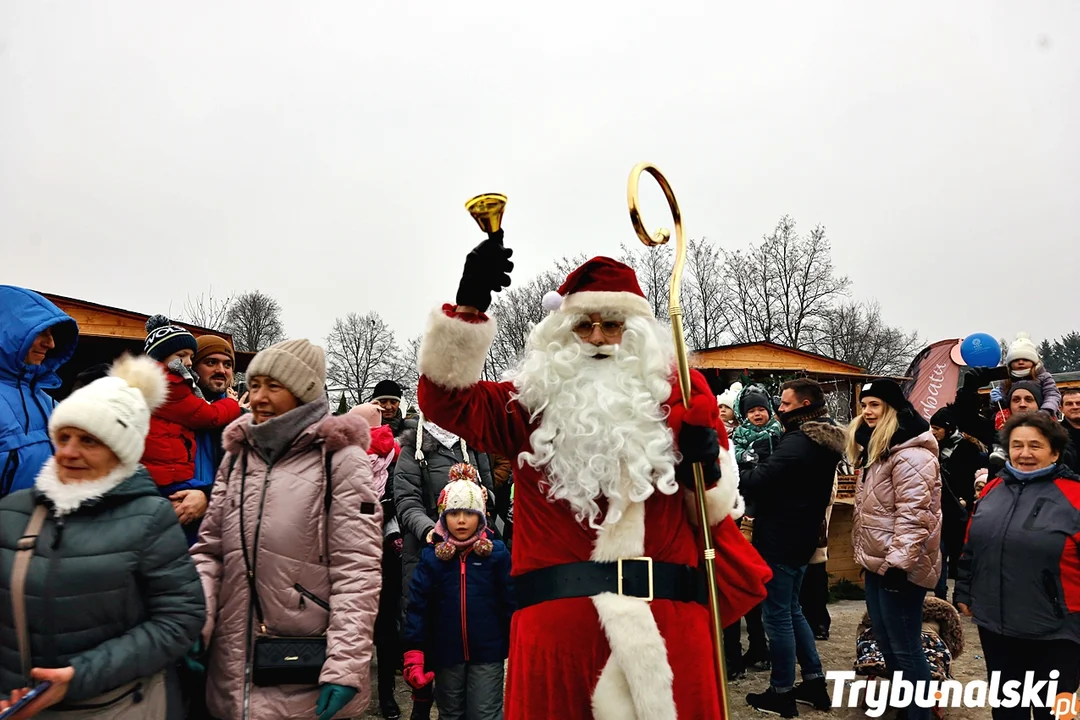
(631, 577)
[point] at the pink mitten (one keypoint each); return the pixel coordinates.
(414, 670)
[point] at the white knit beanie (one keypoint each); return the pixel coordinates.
(729, 396)
(1023, 348)
(296, 364)
(116, 409)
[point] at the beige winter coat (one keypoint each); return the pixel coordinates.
(337, 557)
(897, 519)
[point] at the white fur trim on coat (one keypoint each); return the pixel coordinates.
(453, 351)
(69, 497)
(721, 500)
(638, 652)
(637, 680)
(597, 301)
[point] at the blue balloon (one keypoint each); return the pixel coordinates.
(981, 350)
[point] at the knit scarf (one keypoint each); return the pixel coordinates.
(792, 419)
(478, 543)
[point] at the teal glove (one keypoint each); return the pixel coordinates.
(332, 700)
(193, 659)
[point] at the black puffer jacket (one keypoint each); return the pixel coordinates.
(790, 490)
(111, 588)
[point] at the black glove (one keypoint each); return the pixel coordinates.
(894, 579)
(487, 270)
(698, 445)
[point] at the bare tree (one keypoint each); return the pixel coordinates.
(360, 351)
(703, 295)
(854, 332)
(403, 368)
(207, 311)
(254, 320)
(653, 268)
(781, 290)
(518, 309)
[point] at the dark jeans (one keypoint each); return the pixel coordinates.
(896, 616)
(814, 598)
(790, 636)
(1013, 657)
(471, 691)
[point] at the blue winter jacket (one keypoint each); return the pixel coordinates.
(24, 405)
(459, 609)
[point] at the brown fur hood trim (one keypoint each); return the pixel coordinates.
(338, 432)
(825, 434)
(941, 613)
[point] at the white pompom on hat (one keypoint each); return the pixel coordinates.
(1023, 348)
(116, 409)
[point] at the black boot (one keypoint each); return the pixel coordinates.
(421, 709)
(815, 693)
(774, 703)
(388, 706)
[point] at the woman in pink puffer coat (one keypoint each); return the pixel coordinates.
(896, 530)
(317, 570)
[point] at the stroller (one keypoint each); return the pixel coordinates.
(942, 641)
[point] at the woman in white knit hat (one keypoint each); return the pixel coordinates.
(290, 551)
(96, 583)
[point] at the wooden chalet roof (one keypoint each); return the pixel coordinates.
(104, 321)
(771, 357)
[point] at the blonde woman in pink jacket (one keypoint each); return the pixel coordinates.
(896, 528)
(290, 551)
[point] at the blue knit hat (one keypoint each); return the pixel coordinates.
(163, 338)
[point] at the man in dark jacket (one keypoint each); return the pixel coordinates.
(36, 338)
(790, 490)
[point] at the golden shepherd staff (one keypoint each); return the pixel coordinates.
(660, 237)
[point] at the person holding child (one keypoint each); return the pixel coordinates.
(171, 445)
(461, 601)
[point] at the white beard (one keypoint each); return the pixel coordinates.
(603, 430)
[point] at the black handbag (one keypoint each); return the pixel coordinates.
(280, 660)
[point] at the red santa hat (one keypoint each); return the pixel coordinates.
(600, 285)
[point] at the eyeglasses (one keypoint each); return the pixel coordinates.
(609, 328)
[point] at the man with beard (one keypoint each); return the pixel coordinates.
(213, 364)
(612, 621)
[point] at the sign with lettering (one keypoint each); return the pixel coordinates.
(934, 378)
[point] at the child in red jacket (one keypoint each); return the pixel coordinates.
(170, 445)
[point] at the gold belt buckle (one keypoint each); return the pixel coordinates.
(648, 562)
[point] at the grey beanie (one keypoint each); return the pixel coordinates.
(296, 364)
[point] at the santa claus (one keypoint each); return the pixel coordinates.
(612, 619)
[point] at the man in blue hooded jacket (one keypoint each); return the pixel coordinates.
(36, 338)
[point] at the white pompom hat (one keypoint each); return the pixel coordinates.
(1023, 348)
(116, 409)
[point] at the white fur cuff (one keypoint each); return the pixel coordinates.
(453, 351)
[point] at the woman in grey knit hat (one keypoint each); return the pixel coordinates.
(291, 546)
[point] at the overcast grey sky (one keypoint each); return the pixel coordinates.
(322, 151)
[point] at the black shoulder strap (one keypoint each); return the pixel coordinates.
(248, 563)
(327, 494)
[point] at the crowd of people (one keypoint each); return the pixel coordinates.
(172, 549)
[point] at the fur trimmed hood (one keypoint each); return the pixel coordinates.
(338, 432)
(826, 434)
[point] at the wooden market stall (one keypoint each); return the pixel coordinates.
(769, 363)
(106, 332)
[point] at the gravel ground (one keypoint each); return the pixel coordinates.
(836, 654)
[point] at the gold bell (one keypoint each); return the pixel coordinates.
(487, 210)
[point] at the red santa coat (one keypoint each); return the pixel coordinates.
(608, 656)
